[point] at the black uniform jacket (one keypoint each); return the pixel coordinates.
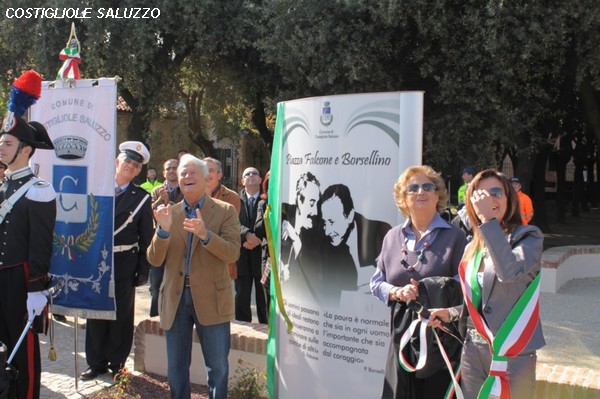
(132, 262)
(26, 233)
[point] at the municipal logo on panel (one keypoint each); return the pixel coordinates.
(70, 183)
(326, 116)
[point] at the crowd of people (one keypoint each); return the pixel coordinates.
(184, 235)
(200, 235)
(191, 236)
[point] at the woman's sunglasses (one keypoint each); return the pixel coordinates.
(497, 192)
(414, 188)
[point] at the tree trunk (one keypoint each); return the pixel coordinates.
(196, 130)
(590, 107)
(564, 155)
(584, 151)
(538, 190)
(592, 184)
(589, 184)
(577, 199)
(260, 123)
(138, 126)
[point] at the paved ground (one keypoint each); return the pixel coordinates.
(571, 325)
(570, 322)
(58, 377)
(575, 230)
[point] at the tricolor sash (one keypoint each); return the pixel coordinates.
(422, 345)
(70, 67)
(454, 388)
(514, 334)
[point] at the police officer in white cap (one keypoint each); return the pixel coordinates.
(108, 342)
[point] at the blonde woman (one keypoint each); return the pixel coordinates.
(423, 246)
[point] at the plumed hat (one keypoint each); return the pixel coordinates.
(26, 90)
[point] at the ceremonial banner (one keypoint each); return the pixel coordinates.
(81, 122)
(334, 164)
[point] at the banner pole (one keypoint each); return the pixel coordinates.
(76, 325)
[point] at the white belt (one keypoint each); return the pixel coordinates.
(123, 248)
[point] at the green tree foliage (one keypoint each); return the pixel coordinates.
(145, 53)
(228, 70)
(499, 77)
(483, 67)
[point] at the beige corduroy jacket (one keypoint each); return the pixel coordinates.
(209, 276)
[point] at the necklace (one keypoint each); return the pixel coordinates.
(419, 260)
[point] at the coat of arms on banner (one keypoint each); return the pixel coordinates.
(71, 182)
(73, 208)
(326, 116)
(81, 121)
(70, 147)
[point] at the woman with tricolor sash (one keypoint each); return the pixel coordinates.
(500, 274)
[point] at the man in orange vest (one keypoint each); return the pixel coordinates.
(526, 204)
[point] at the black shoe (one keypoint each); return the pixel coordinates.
(92, 372)
(59, 317)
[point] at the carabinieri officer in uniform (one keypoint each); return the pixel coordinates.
(108, 342)
(27, 216)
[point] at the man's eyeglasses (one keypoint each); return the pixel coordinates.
(414, 188)
(250, 174)
(133, 163)
(497, 192)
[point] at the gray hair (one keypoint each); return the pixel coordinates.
(187, 158)
(215, 161)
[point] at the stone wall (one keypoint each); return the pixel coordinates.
(248, 350)
(168, 135)
(561, 264)
(249, 345)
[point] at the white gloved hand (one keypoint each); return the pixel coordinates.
(36, 301)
